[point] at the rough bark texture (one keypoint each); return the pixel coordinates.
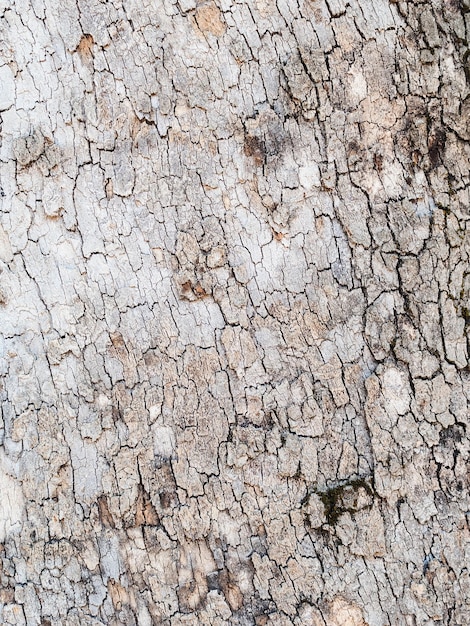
(234, 305)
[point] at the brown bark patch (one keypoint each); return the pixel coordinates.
(7, 595)
(106, 517)
(255, 147)
(192, 595)
(209, 19)
(145, 513)
(85, 47)
(344, 613)
(118, 594)
(231, 590)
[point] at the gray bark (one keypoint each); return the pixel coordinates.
(234, 256)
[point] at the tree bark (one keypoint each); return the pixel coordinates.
(234, 290)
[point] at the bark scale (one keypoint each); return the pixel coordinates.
(234, 256)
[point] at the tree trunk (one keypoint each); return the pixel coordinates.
(235, 284)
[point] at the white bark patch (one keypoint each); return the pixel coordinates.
(396, 391)
(11, 500)
(86, 471)
(358, 87)
(309, 176)
(164, 442)
(7, 88)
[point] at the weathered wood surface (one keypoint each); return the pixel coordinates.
(234, 283)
